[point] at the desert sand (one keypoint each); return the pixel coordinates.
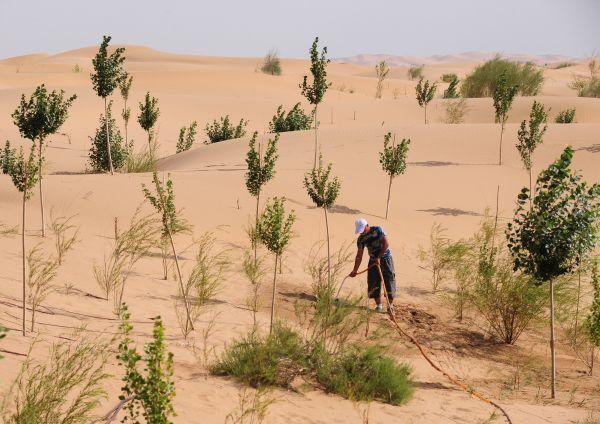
(451, 178)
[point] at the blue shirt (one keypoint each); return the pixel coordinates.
(373, 241)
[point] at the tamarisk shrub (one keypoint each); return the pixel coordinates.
(124, 87)
(503, 96)
(261, 169)
(149, 113)
(24, 173)
(381, 70)
(530, 136)
(163, 201)
(274, 230)
(187, 136)
(38, 117)
(108, 74)
(315, 92)
(548, 239)
(150, 391)
(393, 161)
(425, 92)
(323, 191)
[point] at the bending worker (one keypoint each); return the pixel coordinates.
(376, 242)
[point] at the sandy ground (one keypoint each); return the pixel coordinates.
(451, 178)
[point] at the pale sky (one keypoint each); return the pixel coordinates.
(347, 27)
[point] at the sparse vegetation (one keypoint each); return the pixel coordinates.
(548, 239)
(456, 109)
(271, 64)
(223, 130)
(393, 161)
(425, 92)
(483, 81)
(566, 116)
(187, 136)
(415, 72)
(99, 157)
(381, 70)
(314, 93)
(108, 74)
(295, 120)
(142, 161)
(438, 257)
(503, 95)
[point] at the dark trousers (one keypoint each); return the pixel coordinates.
(389, 277)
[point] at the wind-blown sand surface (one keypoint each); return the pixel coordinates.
(451, 178)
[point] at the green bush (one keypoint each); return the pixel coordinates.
(271, 64)
(449, 77)
(482, 81)
(295, 120)
(273, 360)
(98, 154)
(223, 130)
(586, 87)
(566, 116)
(415, 72)
(366, 374)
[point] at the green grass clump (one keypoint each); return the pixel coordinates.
(367, 374)
(273, 360)
(142, 161)
(482, 81)
(295, 120)
(566, 116)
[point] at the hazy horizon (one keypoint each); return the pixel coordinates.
(347, 28)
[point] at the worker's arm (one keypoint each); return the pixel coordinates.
(357, 261)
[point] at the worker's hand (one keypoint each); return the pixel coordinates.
(352, 274)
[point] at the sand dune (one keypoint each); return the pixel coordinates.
(451, 178)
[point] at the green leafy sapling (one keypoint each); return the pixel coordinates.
(39, 117)
(149, 113)
(108, 73)
(187, 136)
(261, 169)
(548, 239)
(148, 393)
(7, 158)
(381, 70)
(163, 200)
(531, 135)
(323, 191)
(451, 92)
(566, 116)
(274, 230)
(425, 92)
(393, 161)
(503, 97)
(99, 155)
(315, 92)
(124, 87)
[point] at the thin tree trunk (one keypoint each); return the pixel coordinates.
(316, 138)
(425, 114)
(273, 295)
(501, 135)
(41, 192)
(110, 164)
(149, 143)
(183, 293)
(254, 235)
(32, 317)
(592, 361)
(552, 346)
(25, 180)
(578, 300)
(328, 250)
(126, 122)
(387, 206)
(530, 190)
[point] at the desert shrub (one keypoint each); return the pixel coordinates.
(152, 390)
(7, 158)
(586, 87)
(415, 72)
(65, 389)
(450, 92)
(187, 136)
(382, 70)
(295, 120)
(566, 116)
(98, 155)
(366, 374)
(449, 77)
(223, 130)
(482, 81)
(456, 109)
(440, 256)
(562, 65)
(274, 360)
(271, 64)
(65, 235)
